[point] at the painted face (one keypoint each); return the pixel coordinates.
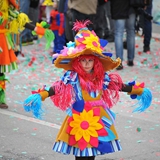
(87, 64)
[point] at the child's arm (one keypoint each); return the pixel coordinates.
(116, 83)
(61, 94)
(113, 84)
(131, 89)
(18, 21)
(41, 29)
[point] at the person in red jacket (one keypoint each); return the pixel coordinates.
(57, 26)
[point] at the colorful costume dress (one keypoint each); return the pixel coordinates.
(11, 22)
(89, 129)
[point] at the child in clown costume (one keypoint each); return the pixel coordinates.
(12, 22)
(87, 92)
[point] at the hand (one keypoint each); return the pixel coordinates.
(39, 30)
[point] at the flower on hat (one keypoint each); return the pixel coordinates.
(70, 49)
(71, 44)
(92, 42)
(86, 39)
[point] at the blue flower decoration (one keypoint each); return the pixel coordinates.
(71, 44)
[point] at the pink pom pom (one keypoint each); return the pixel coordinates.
(80, 24)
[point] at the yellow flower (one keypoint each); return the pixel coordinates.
(93, 43)
(85, 125)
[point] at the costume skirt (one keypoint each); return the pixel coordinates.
(89, 133)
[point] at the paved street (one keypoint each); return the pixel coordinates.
(24, 138)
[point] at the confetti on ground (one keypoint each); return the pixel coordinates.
(158, 154)
(33, 134)
(138, 129)
(140, 141)
(16, 129)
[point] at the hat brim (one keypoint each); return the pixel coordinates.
(65, 62)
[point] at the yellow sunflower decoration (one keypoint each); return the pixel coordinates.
(92, 42)
(84, 128)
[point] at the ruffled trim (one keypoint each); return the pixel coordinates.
(8, 68)
(62, 147)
